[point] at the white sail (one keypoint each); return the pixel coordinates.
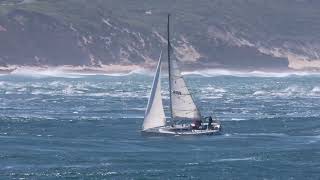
(154, 116)
(183, 106)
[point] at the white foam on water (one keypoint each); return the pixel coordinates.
(238, 119)
(77, 71)
(236, 159)
(213, 89)
(261, 134)
(99, 94)
(119, 70)
(140, 71)
(224, 72)
(316, 89)
(39, 92)
(192, 163)
(39, 72)
(292, 90)
(260, 93)
(139, 109)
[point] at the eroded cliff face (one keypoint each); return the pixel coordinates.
(30, 38)
(205, 34)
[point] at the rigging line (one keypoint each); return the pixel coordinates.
(169, 66)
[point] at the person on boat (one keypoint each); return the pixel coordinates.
(196, 124)
(210, 122)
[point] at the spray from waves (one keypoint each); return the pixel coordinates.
(39, 72)
(224, 72)
(128, 70)
(261, 134)
(236, 159)
(77, 71)
(213, 89)
(139, 71)
(293, 90)
(316, 89)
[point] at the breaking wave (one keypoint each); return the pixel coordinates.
(40, 72)
(237, 159)
(76, 71)
(121, 70)
(224, 72)
(290, 91)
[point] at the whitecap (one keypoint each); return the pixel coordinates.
(261, 134)
(225, 72)
(99, 94)
(236, 159)
(39, 92)
(192, 163)
(316, 89)
(39, 72)
(259, 93)
(213, 89)
(237, 119)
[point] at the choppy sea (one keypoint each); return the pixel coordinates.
(88, 127)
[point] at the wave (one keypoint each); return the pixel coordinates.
(236, 159)
(76, 71)
(316, 89)
(293, 90)
(261, 134)
(139, 71)
(127, 70)
(43, 72)
(213, 89)
(258, 93)
(224, 72)
(238, 119)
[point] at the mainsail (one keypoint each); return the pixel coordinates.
(154, 116)
(182, 104)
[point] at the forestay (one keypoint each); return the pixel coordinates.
(154, 116)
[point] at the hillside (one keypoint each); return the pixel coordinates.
(231, 34)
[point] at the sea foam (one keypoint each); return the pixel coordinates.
(122, 70)
(224, 72)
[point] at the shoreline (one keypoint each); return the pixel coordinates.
(148, 70)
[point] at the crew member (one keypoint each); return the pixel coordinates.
(210, 122)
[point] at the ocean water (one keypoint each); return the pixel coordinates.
(88, 127)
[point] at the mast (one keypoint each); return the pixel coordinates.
(182, 105)
(169, 68)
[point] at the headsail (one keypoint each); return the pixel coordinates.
(182, 104)
(154, 116)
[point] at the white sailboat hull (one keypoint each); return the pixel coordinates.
(180, 131)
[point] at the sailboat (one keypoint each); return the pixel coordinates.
(185, 118)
